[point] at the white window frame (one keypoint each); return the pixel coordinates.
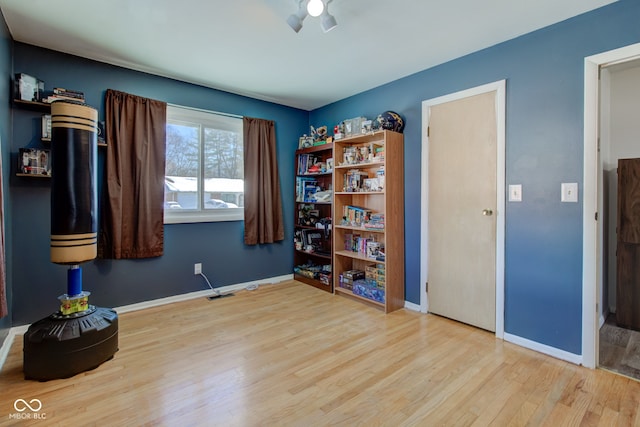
(187, 115)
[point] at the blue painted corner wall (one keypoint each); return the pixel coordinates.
(544, 147)
(218, 246)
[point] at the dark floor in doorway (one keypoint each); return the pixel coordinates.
(619, 349)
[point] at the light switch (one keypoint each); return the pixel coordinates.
(515, 193)
(569, 192)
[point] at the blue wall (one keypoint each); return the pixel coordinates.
(219, 246)
(5, 150)
(544, 147)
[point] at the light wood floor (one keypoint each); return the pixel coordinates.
(291, 355)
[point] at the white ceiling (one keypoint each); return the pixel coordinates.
(246, 46)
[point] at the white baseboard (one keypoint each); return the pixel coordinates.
(545, 349)
(201, 294)
(20, 330)
(411, 306)
(8, 341)
(603, 316)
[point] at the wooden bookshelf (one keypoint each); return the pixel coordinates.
(312, 168)
(377, 162)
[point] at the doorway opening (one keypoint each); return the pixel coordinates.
(611, 80)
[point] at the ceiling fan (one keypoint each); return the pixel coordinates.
(313, 8)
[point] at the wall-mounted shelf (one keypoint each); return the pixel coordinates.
(33, 175)
(42, 107)
(33, 105)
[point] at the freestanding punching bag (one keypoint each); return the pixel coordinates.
(80, 336)
(74, 199)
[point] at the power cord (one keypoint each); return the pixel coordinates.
(209, 283)
(252, 287)
(216, 293)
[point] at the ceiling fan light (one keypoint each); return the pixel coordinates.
(315, 7)
(295, 20)
(328, 22)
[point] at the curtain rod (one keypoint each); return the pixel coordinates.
(202, 110)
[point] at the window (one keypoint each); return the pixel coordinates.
(204, 167)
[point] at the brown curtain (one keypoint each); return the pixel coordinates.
(132, 215)
(262, 201)
(3, 274)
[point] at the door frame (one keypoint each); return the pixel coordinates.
(500, 88)
(593, 198)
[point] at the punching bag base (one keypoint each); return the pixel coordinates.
(61, 346)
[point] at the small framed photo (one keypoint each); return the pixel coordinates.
(367, 126)
(305, 142)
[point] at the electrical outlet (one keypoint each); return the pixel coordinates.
(197, 268)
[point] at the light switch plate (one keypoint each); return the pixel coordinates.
(569, 192)
(515, 193)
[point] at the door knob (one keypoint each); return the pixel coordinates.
(487, 212)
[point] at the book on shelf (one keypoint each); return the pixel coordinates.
(63, 94)
(67, 92)
(366, 246)
(303, 159)
(52, 98)
(350, 242)
(376, 222)
(355, 216)
(306, 187)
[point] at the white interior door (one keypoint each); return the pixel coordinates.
(462, 210)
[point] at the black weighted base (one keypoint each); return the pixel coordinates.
(61, 346)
